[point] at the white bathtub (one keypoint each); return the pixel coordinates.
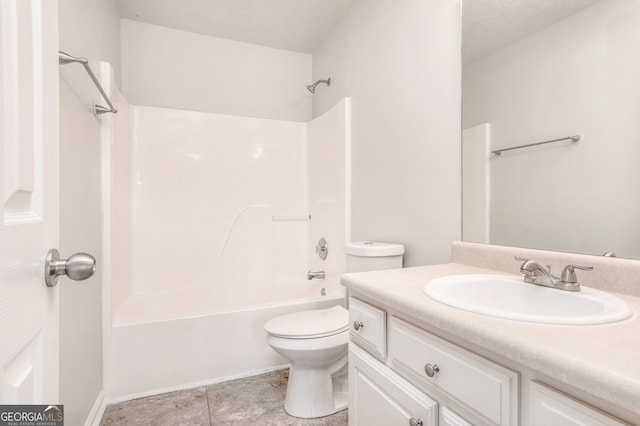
(210, 228)
(152, 357)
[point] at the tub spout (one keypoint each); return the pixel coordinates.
(311, 275)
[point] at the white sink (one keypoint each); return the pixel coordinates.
(507, 296)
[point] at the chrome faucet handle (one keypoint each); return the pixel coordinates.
(530, 266)
(569, 274)
(522, 259)
(525, 264)
(524, 267)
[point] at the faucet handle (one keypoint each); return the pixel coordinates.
(526, 268)
(524, 264)
(525, 260)
(569, 275)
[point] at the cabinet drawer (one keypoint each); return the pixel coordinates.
(548, 407)
(485, 387)
(368, 326)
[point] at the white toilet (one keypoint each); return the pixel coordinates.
(315, 342)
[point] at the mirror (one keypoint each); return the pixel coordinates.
(538, 71)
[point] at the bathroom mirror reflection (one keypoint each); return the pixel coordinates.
(536, 71)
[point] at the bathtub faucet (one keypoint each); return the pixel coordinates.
(312, 275)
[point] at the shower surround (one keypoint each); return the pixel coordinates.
(212, 227)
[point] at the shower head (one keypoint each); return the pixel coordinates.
(312, 87)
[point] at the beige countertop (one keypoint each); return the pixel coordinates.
(602, 360)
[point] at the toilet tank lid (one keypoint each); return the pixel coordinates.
(373, 249)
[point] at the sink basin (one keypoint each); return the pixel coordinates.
(507, 296)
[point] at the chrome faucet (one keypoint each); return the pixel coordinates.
(535, 273)
(311, 275)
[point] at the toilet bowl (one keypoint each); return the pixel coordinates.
(315, 343)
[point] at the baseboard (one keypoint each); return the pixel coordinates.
(97, 411)
(151, 392)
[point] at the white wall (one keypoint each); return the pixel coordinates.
(176, 69)
(577, 76)
(400, 64)
(88, 28)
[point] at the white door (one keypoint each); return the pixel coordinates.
(29, 224)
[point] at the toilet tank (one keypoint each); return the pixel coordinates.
(372, 256)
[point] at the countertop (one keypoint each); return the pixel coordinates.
(602, 360)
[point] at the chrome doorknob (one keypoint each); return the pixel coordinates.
(77, 267)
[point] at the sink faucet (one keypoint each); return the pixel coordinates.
(535, 273)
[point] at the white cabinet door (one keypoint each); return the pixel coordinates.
(379, 397)
(549, 407)
(29, 224)
(449, 418)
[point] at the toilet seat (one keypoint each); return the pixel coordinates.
(311, 324)
(316, 345)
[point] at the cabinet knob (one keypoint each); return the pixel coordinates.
(415, 422)
(431, 370)
(358, 325)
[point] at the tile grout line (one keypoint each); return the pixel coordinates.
(206, 394)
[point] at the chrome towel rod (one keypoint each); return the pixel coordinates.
(574, 139)
(65, 58)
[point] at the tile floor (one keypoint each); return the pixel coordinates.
(256, 400)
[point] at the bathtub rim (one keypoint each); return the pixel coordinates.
(333, 296)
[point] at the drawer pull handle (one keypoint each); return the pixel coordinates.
(431, 370)
(415, 422)
(358, 325)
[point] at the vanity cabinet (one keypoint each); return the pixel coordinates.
(400, 374)
(420, 379)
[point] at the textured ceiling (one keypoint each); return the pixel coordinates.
(488, 25)
(297, 25)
